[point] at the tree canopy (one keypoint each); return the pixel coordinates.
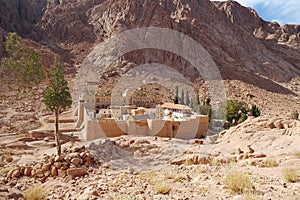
(57, 95)
(23, 62)
(26, 65)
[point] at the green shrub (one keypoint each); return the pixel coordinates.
(206, 109)
(254, 111)
(236, 111)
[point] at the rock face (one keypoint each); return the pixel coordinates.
(229, 32)
(288, 34)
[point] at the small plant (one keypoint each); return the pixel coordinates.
(215, 162)
(202, 169)
(177, 180)
(295, 115)
(270, 162)
(251, 196)
(4, 171)
(36, 192)
(254, 111)
(203, 190)
(296, 155)
(188, 162)
(161, 188)
(149, 176)
(290, 175)
(169, 176)
(237, 182)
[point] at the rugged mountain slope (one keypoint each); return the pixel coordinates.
(259, 61)
(247, 18)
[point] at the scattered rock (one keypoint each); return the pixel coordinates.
(9, 159)
(53, 171)
(15, 173)
(76, 172)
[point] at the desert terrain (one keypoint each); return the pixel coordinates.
(258, 62)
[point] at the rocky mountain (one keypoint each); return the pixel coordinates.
(259, 61)
(288, 34)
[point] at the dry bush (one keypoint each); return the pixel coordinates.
(149, 176)
(270, 162)
(237, 182)
(203, 190)
(202, 169)
(251, 196)
(36, 192)
(169, 176)
(188, 162)
(161, 188)
(177, 180)
(215, 162)
(290, 175)
(4, 170)
(296, 155)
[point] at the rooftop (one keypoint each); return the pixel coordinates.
(175, 106)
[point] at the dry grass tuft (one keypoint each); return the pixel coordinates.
(270, 162)
(36, 192)
(4, 170)
(251, 196)
(215, 162)
(237, 182)
(177, 180)
(202, 169)
(297, 155)
(203, 190)
(161, 188)
(290, 175)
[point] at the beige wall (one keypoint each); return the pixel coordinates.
(110, 128)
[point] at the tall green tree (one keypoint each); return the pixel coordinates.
(176, 98)
(187, 98)
(26, 66)
(182, 97)
(57, 96)
(206, 109)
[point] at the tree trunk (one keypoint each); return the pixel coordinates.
(56, 131)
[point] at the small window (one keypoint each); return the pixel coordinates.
(174, 128)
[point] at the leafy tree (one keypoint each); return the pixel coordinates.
(23, 62)
(192, 104)
(57, 96)
(182, 97)
(206, 109)
(26, 65)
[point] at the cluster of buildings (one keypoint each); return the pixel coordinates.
(106, 116)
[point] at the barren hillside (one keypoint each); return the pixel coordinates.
(258, 61)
